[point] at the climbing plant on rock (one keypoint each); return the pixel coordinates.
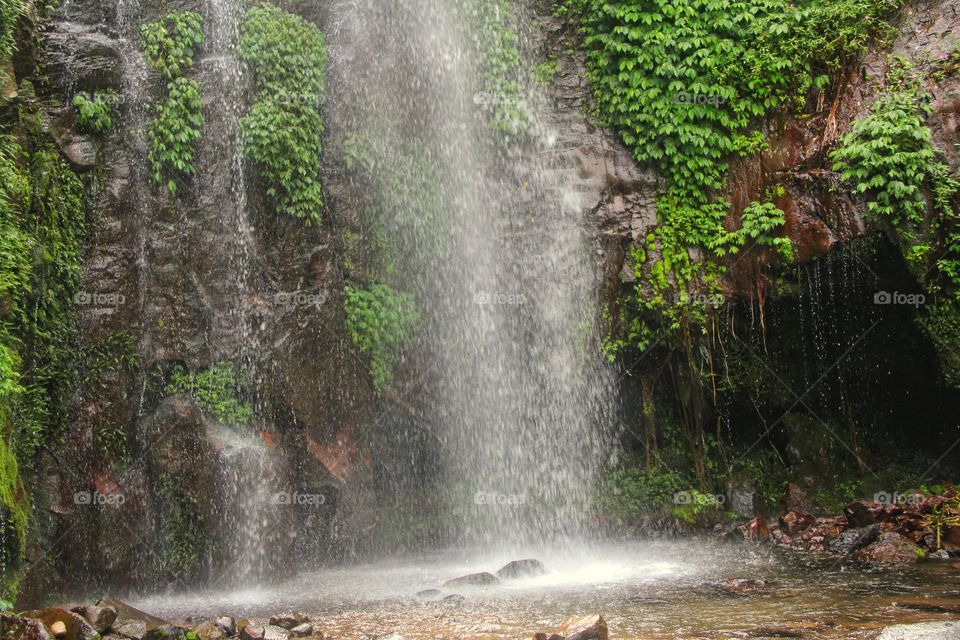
(282, 133)
(381, 322)
(169, 46)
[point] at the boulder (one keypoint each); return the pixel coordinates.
(859, 514)
(131, 622)
(71, 625)
(273, 632)
(521, 569)
(947, 630)
(793, 522)
(744, 586)
(227, 624)
(19, 628)
(543, 636)
(855, 539)
(209, 631)
(289, 620)
(483, 579)
(585, 628)
(891, 548)
(252, 632)
(429, 594)
(302, 630)
(796, 499)
(756, 529)
(100, 618)
(453, 598)
(167, 632)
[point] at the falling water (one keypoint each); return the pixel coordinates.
(512, 384)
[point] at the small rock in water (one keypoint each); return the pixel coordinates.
(289, 620)
(251, 632)
(19, 628)
(71, 625)
(209, 631)
(473, 580)
(744, 586)
(166, 632)
(273, 632)
(227, 624)
(543, 636)
(521, 569)
(302, 630)
(949, 630)
(586, 628)
(756, 529)
(453, 598)
(891, 548)
(429, 594)
(855, 539)
(101, 618)
(793, 522)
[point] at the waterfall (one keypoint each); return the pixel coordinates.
(511, 389)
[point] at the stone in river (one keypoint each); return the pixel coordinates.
(585, 628)
(521, 569)
(289, 620)
(891, 548)
(947, 630)
(302, 630)
(227, 624)
(483, 579)
(251, 632)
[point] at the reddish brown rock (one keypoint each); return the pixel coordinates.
(890, 549)
(756, 529)
(795, 522)
(585, 628)
(796, 499)
(73, 625)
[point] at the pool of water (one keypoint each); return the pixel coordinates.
(645, 590)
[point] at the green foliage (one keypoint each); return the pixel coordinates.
(759, 222)
(629, 491)
(683, 82)
(170, 44)
(95, 113)
(184, 544)
(381, 323)
(282, 134)
(216, 390)
(498, 43)
(176, 126)
(545, 72)
(889, 154)
(10, 13)
(405, 202)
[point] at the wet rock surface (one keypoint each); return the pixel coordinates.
(483, 579)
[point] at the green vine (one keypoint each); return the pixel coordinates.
(282, 134)
(95, 112)
(169, 46)
(381, 323)
(216, 390)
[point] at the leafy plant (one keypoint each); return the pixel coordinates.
(10, 13)
(95, 112)
(216, 390)
(170, 44)
(381, 323)
(760, 222)
(282, 134)
(498, 43)
(176, 127)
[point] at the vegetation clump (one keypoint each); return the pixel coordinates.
(381, 322)
(216, 390)
(95, 112)
(282, 133)
(169, 46)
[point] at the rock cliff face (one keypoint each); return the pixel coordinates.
(214, 276)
